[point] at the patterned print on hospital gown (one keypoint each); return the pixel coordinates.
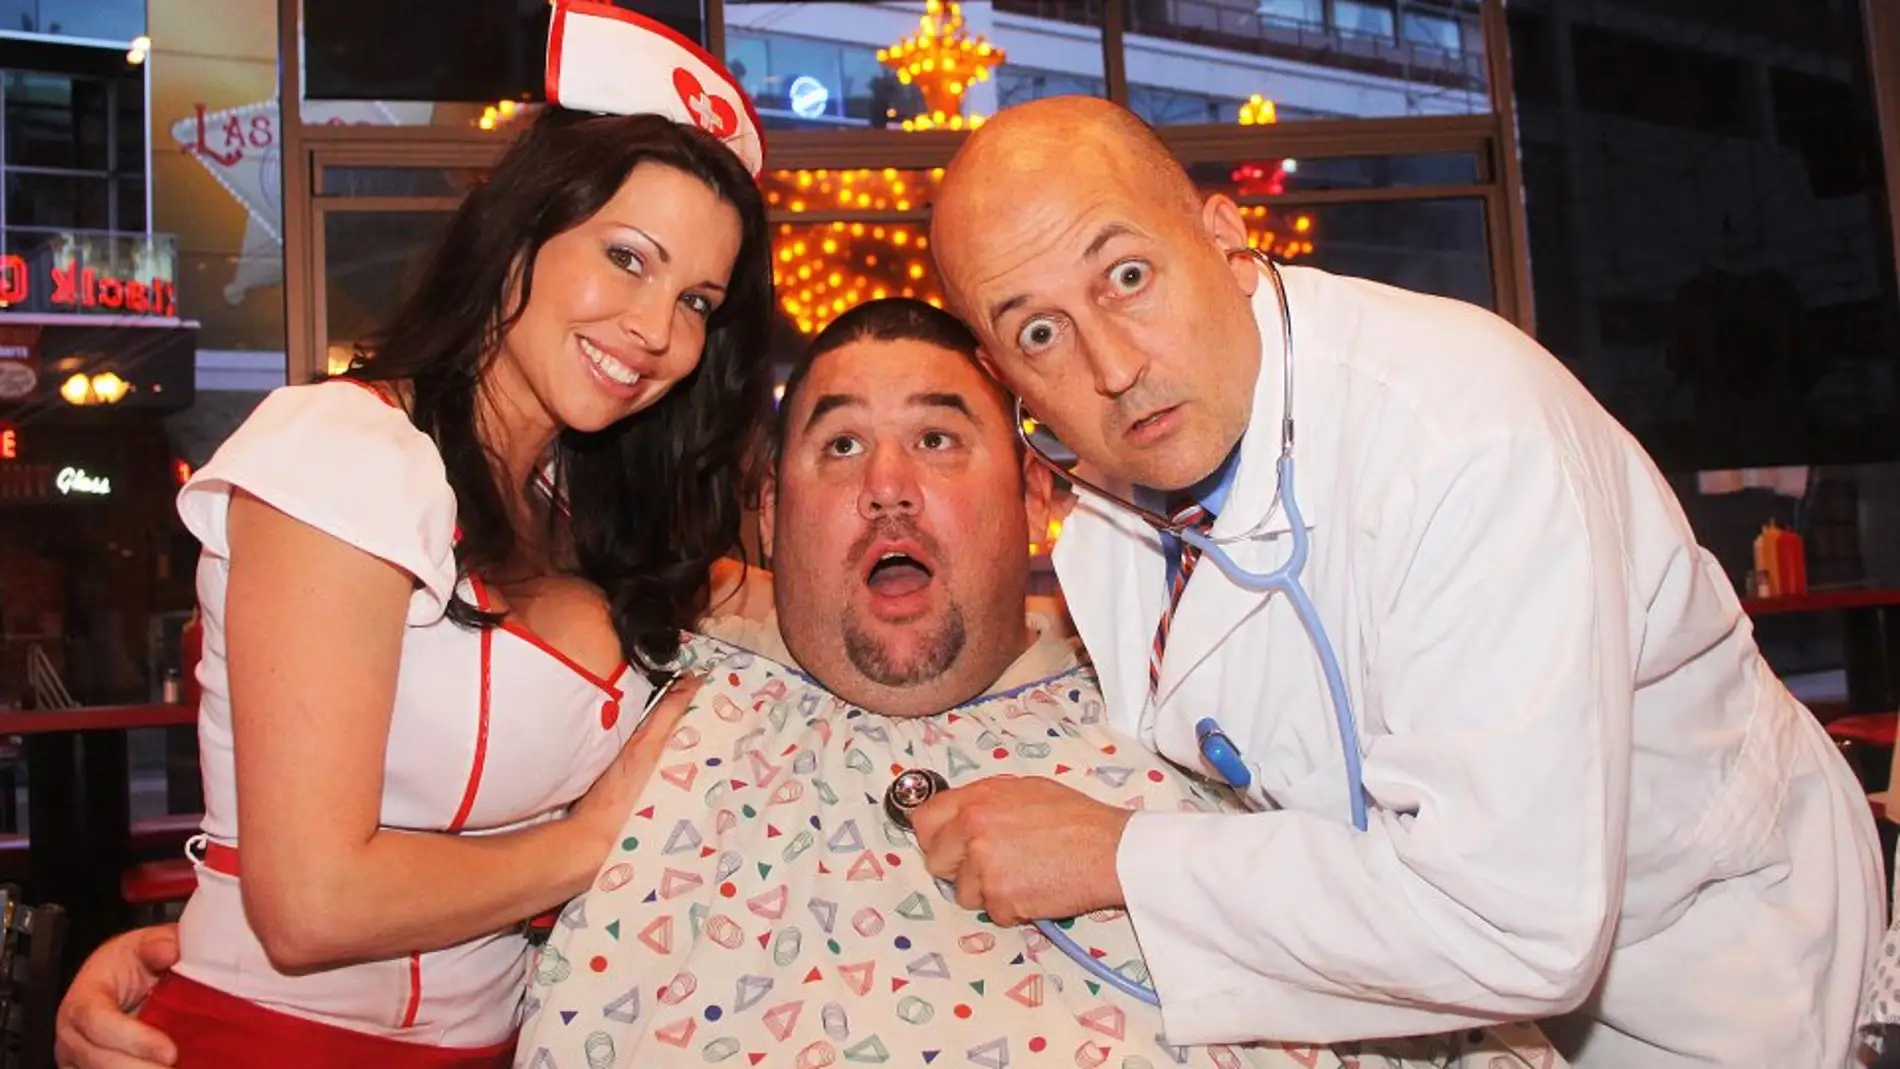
(761, 909)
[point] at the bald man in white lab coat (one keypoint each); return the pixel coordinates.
(1589, 796)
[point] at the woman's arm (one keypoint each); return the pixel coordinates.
(314, 631)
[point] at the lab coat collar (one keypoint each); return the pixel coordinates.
(1254, 478)
(1113, 569)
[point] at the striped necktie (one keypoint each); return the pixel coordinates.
(1200, 519)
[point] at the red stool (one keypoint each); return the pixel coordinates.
(151, 886)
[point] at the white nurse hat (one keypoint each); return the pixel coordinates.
(608, 60)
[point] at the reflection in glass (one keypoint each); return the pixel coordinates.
(821, 191)
(96, 20)
(1707, 227)
(821, 270)
(348, 181)
(1197, 61)
(1433, 246)
(369, 258)
(816, 65)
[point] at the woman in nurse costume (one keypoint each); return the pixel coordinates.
(437, 590)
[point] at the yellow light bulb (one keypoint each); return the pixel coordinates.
(76, 390)
(798, 206)
(109, 387)
(916, 271)
(834, 279)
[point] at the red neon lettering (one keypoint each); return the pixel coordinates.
(13, 277)
(65, 286)
(9, 444)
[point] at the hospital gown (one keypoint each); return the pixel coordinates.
(761, 908)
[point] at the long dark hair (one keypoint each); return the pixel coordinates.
(653, 499)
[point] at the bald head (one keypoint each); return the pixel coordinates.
(1051, 144)
(1105, 291)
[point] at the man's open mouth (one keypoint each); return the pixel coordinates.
(894, 573)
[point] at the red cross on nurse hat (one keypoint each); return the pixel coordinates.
(608, 60)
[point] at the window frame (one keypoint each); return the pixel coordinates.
(308, 148)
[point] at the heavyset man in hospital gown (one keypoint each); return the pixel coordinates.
(1589, 795)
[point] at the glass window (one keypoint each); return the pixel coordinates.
(129, 133)
(823, 269)
(1728, 318)
(816, 65)
(1197, 61)
(99, 20)
(55, 120)
(1018, 84)
(353, 181)
(58, 201)
(1367, 19)
(1428, 246)
(131, 204)
(824, 193)
(1294, 12)
(1434, 31)
(1269, 177)
(368, 260)
(361, 56)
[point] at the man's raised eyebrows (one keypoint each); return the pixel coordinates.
(829, 403)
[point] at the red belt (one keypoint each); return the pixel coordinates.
(221, 859)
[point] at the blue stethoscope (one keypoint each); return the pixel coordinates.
(1216, 748)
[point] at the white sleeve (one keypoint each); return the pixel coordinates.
(339, 458)
(1489, 882)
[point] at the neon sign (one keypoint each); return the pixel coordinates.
(77, 481)
(9, 442)
(86, 289)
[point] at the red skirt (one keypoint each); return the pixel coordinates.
(214, 1030)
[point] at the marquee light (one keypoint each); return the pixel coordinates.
(104, 388)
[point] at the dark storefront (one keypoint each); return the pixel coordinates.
(94, 574)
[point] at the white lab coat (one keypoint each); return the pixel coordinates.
(1588, 790)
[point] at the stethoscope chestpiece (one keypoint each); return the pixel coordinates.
(912, 788)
